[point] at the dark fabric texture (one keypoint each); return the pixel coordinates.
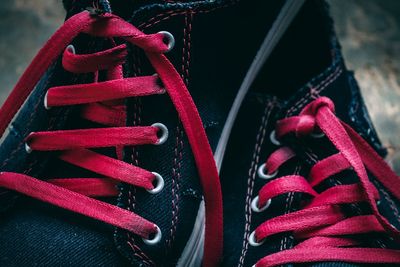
(208, 38)
(311, 68)
(206, 54)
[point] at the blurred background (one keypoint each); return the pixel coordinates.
(369, 31)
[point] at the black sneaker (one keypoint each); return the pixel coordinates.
(104, 140)
(303, 179)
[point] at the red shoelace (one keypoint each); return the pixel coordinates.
(320, 226)
(101, 102)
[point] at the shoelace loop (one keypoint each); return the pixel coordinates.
(320, 225)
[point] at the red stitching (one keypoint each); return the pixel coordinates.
(176, 169)
(155, 19)
(137, 252)
(188, 20)
(315, 90)
(151, 22)
(164, 16)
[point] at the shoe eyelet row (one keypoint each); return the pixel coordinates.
(263, 174)
(159, 180)
(159, 183)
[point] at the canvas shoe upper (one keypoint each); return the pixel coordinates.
(303, 178)
(99, 112)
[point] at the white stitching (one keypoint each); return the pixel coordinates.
(252, 171)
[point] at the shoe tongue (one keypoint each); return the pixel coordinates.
(334, 82)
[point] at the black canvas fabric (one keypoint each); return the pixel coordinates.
(213, 70)
(288, 84)
(215, 44)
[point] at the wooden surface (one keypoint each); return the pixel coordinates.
(368, 30)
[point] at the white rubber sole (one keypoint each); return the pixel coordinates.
(192, 255)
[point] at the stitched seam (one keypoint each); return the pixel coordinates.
(137, 70)
(284, 240)
(176, 168)
(153, 21)
(251, 177)
(315, 90)
(391, 204)
(137, 252)
(187, 46)
(177, 164)
(167, 15)
(176, 175)
(389, 200)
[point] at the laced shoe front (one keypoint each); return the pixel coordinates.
(309, 185)
(322, 230)
(102, 103)
(110, 133)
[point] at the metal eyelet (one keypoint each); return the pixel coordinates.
(252, 240)
(164, 135)
(28, 149)
(262, 173)
(71, 49)
(254, 205)
(273, 139)
(317, 135)
(45, 102)
(162, 91)
(153, 241)
(159, 184)
(168, 39)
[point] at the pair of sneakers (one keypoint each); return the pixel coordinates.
(189, 133)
